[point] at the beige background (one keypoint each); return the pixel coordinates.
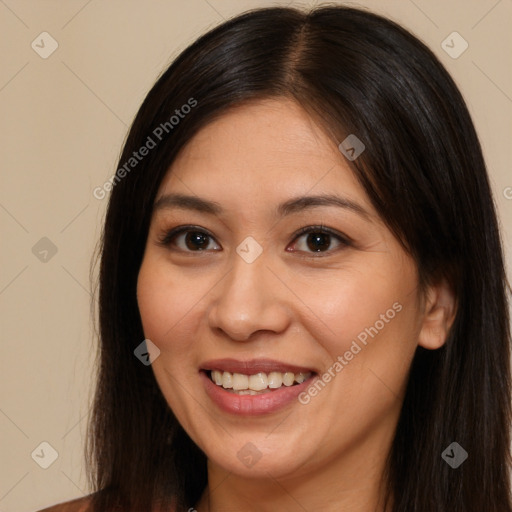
(63, 121)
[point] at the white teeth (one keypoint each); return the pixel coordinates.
(288, 378)
(257, 383)
(300, 377)
(275, 380)
(227, 380)
(217, 377)
(240, 381)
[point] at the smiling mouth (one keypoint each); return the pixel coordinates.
(258, 383)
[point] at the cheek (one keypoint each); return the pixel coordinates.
(167, 304)
(361, 302)
(368, 330)
(367, 323)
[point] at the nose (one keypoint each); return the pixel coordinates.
(249, 299)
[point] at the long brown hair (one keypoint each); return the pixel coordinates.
(423, 170)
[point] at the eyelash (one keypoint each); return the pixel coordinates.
(167, 237)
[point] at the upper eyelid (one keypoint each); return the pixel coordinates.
(321, 229)
(179, 230)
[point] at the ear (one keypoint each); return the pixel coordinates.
(438, 315)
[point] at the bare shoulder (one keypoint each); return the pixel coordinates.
(77, 505)
(83, 504)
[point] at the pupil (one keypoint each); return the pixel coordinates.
(196, 240)
(318, 241)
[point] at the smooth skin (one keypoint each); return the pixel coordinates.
(199, 300)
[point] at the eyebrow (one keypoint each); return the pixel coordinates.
(294, 205)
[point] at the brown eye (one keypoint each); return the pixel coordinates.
(196, 240)
(318, 239)
(189, 240)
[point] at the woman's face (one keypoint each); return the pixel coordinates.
(241, 291)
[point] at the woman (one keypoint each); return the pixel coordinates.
(302, 292)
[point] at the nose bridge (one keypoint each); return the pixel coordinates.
(247, 300)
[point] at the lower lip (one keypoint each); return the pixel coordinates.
(252, 405)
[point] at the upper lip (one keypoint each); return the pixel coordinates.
(253, 366)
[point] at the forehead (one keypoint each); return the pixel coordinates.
(267, 150)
